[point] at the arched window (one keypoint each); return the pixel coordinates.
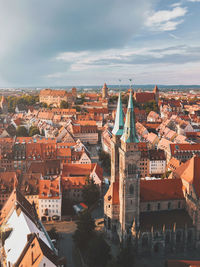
(167, 237)
(190, 234)
(131, 189)
(145, 241)
(178, 237)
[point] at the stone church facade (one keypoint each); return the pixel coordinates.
(159, 216)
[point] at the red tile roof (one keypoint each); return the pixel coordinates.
(112, 195)
(190, 172)
(161, 189)
(49, 188)
(182, 263)
(183, 147)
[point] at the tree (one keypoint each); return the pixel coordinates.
(85, 230)
(33, 131)
(98, 252)
(53, 234)
(44, 105)
(21, 131)
(78, 108)
(90, 192)
(105, 161)
(64, 104)
(126, 255)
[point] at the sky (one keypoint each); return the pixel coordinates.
(76, 42)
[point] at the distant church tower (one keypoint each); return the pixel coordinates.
(129, 176)
(4, 105)
(104, 91)
(156, 92)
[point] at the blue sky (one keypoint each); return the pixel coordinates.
(76, 42)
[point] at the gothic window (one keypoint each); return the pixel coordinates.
(131, 190)
(178, 237)
(189, 238)
(145, 241)
(131, 168)
(167, 238)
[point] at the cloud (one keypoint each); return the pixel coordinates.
(32, 32)
(194, 0)
(174, 36)
(127, 58)
(166, 20)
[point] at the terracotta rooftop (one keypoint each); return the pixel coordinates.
(160, 190)
(190, 172)
(112, 195)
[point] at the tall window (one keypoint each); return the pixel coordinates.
(131, 190)
(169, 205)
(148, 206)
(158, 206)
(131, 168)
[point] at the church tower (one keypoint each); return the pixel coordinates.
(129, 176)
(104, 91)
(115, 141)
(111, 199)
(156, 92)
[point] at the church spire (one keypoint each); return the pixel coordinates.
(119, 119)
(129, 134)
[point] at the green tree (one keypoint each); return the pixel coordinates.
(64, 104)
(78, 108)
(98, 252)
(33, 131)
(21, 131)
(53, 234)
(44, 105)
(112, 263)
(105, 161)
(126, 257)
(84, 231)
(90, 192)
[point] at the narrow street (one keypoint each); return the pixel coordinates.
(65, 243)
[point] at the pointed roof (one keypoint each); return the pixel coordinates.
(190, 172)
(105, 85)
(112, 195)
(119, 119)
(155, 90)
(129, 134)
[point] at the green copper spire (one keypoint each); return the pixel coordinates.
(129, 134)
(119, 119)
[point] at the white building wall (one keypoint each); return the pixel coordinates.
(157, 166)
(53, 206)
